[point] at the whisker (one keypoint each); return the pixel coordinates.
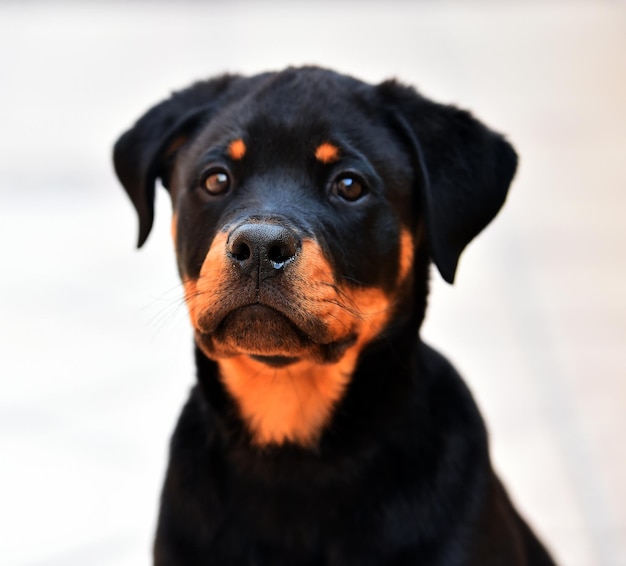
(169, 307)
(352, 280)
(164, 317)
(339, 321)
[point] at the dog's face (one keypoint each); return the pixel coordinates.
(300, 201)
(293, 230)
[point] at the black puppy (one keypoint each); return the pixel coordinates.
(307, 208)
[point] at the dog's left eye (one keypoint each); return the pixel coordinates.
(348, 188)
(216, 182)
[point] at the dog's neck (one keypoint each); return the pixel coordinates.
(286, 404)
(292, 405)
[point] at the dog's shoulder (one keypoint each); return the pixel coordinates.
(446, 388)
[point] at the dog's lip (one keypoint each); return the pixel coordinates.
(311, 334)
(261, 330)
(323, 349)
(275, 361)
(259, 308)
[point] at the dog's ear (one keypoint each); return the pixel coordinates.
(465, 170)
(145, 152)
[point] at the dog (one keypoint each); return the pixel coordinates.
(308, 207)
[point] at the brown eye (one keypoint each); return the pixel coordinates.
(217, 182)
(348, 188)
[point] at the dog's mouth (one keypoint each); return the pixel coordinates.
(260, 330)
(269, 336)
(275, 361)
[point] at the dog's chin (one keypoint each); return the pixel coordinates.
(260, 330)
(267, 336)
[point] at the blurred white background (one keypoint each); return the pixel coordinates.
(95, 347)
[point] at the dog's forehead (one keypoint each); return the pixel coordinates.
(293, 116)
(308, 94)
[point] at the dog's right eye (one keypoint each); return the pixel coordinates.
(348, 187)
(216, 182)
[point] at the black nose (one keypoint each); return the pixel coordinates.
(262, 247)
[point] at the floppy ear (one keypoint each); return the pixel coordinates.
(466, 171)
(144, 153)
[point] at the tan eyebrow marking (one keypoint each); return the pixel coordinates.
(237, 149)
(327, 153)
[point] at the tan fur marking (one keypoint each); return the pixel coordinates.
(406, 254)
(343, 309)
(201, 292)
(327, 153)
(237, 149)
(191, 291)
(284, 404)
(174, 227)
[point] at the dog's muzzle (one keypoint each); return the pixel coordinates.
(267, 291)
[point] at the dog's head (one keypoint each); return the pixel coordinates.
(301, 200)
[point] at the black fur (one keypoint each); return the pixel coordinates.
(400, 474)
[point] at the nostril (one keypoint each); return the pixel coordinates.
(240, 251)
(280, 253)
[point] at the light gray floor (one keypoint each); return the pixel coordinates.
(95, 350)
